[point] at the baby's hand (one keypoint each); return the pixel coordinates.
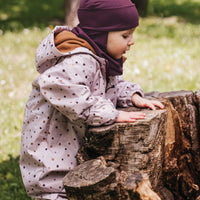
(129, 116)
(142, 102)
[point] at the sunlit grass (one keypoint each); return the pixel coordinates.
(165, 55)
(17, 52)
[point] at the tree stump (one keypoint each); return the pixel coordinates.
(151, 159)
(131, 153)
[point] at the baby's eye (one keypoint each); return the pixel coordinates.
(125, 36)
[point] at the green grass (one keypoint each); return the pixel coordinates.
(17, 51)
(11, 185)
(165, 57)
(15, 15)
(185, 10)
(16, 74)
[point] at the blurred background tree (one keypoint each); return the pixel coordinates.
(70, 10)
(141, 6)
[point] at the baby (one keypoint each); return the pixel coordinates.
(79, 85)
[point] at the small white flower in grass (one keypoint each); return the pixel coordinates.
(146, 63)
(11, 94)
(18, 40)
(24, 66)
(7, 49)
(188, 57)
(136, 71)
(26, 31)
(179, 71)
(2, 82)
(48, 29)
(22, 104)
(184, 62)
(10, 67)
(176, 55)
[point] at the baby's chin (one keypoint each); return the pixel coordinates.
(120, 56)
(117, 57)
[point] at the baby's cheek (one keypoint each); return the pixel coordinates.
(122, 47)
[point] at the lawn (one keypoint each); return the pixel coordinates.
(165, 57)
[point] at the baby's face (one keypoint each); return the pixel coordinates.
(119, 42)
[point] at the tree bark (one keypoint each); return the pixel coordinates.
(152, 159)
(70, 8)
(182, 148)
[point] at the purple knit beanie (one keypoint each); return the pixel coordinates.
(107, 15)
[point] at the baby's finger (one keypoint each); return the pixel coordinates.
(150, 105)
(158, 104)
(130, 120)
(137, 115)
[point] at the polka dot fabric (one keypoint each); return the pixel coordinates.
(70, 94)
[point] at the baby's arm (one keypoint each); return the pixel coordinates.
(130, 94)
(125, 90)
(68, 88)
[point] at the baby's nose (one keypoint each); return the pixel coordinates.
(131, 42)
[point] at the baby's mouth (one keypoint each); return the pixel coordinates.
(125, 51)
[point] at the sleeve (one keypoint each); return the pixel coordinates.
(125, 91)
(67, 86)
